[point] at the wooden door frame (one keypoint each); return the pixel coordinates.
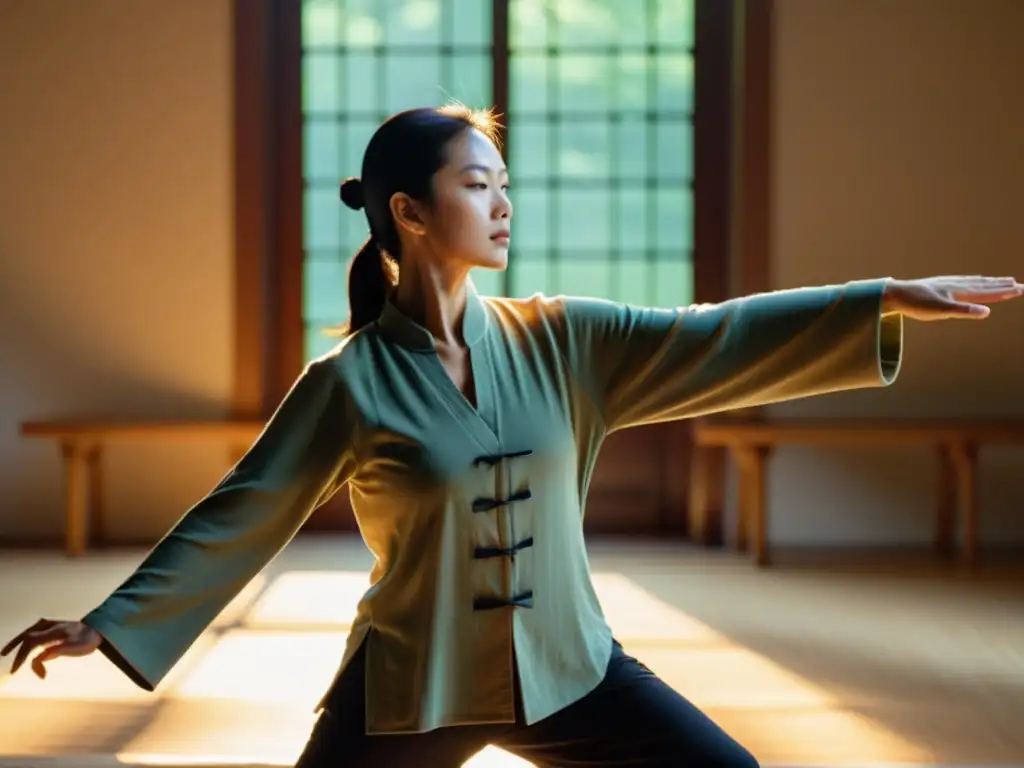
(732, 181)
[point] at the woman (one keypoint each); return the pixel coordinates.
(467, 430)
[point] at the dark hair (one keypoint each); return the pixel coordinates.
(403, 155)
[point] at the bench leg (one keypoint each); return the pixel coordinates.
(76, 504)
(743, 485)
(945, 522)
(97, 509)
(704, 494)
(698, 491)
(965, 465)
(753, 512)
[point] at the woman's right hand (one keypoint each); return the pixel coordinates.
(61, 638)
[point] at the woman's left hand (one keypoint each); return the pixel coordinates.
(948, 298)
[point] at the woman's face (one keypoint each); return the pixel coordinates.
(469, 221)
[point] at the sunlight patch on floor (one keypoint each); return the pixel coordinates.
(715, 673)
(242, 736)
(184, 761)
(94, 678)
(246, 691)
(492, 757)
(635, 614)
(37, 727)
(310, 598)
(829, 736)
(213, 732)
(241, 606)
(731, 676)
(489, 757)
(291, 669)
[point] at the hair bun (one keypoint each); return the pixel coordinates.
(352, 194)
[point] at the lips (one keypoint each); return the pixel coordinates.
(502, 235)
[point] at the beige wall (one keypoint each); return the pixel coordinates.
(115, 241)
(898, 151)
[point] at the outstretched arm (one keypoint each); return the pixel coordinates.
(302, 457)
(642, 365)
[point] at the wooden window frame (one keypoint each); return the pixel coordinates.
(732, 179)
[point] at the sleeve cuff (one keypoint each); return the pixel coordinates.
(886, 335)
(119, 651)
(890, 347)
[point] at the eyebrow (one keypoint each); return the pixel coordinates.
(484, 168)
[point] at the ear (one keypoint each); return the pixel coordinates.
(406, 213)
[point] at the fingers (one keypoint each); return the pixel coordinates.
(975, 280)
(54, 638)
(19, 658)
(973, 311)
(39, 625)
(32, 641)
(973, 290)
(954, 311)
(10, 646)
(993, 294)
(978, 284)
(995, 281)
(983, 280)
(39, 662)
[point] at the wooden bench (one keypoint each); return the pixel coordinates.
(82, 445)
(750, 442)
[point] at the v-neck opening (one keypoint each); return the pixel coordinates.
(476, 418)
(479, 415)
(474, 401)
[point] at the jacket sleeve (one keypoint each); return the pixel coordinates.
(303, 455)
(642, 365)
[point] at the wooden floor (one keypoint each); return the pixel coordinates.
(811, 663)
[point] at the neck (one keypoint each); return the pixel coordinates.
(433, 297)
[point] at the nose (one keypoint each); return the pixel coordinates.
(503, 206)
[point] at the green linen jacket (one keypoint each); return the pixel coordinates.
(474, 512)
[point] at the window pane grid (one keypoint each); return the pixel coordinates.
(363, 60)
(610, 49)
(600, 146)
(599, 137)
(523, 117)
(405, 49)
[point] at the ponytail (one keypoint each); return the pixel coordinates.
(369, 282)
(371, 275)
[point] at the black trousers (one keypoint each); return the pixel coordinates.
(632, 718)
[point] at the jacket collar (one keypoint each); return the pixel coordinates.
(401, 329)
